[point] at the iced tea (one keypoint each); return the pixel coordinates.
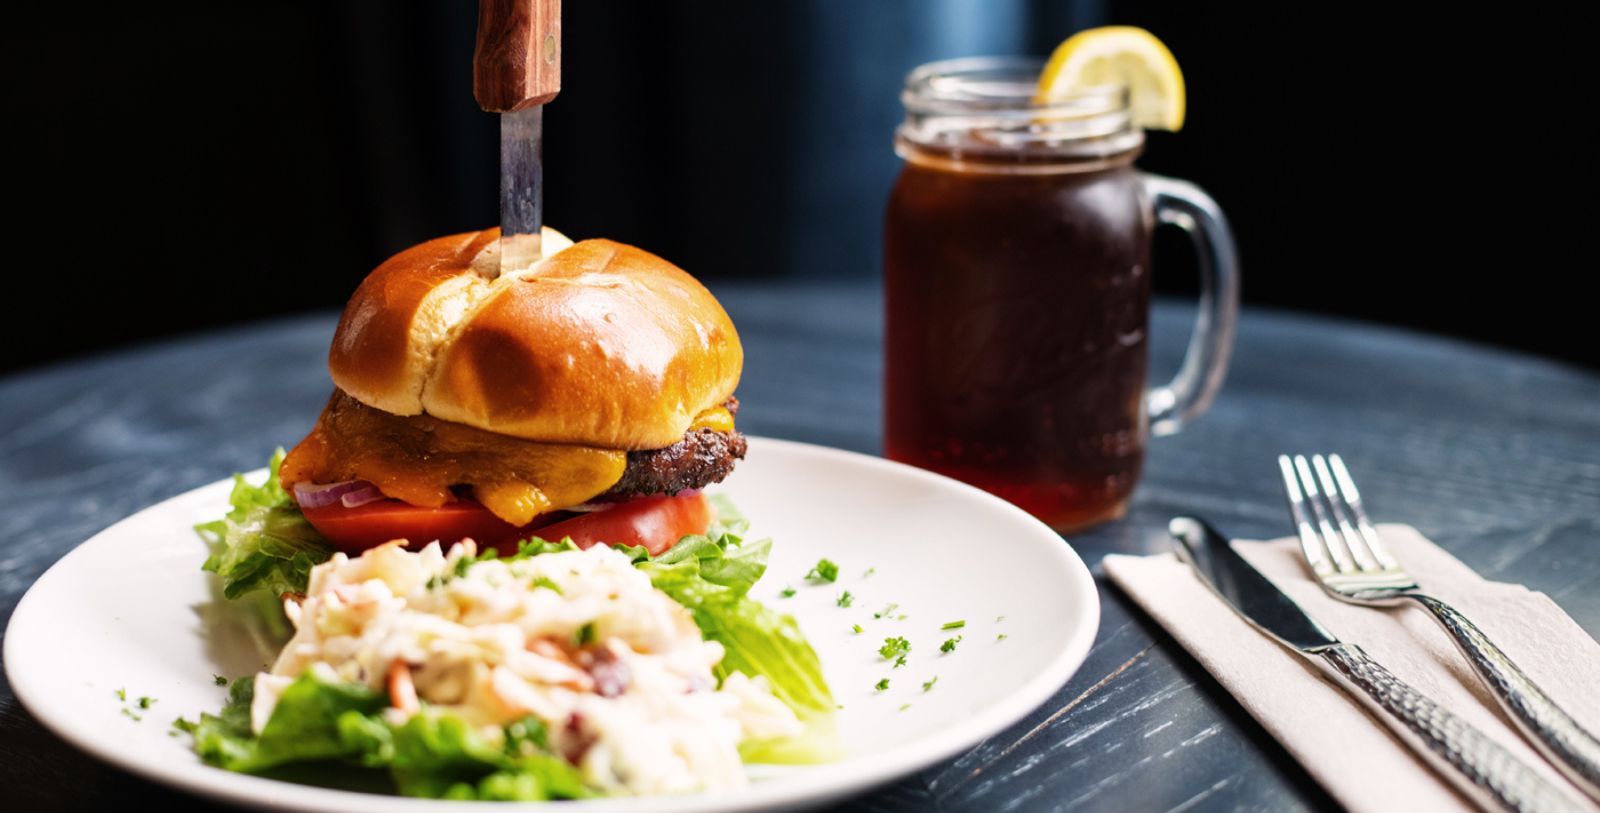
(1017, 322)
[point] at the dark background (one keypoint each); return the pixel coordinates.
(177, 165)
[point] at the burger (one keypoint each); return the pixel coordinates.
(580, 402)
(588, 396)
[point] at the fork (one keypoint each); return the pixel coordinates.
(1349, 558)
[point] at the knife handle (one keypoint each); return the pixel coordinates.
(1570, 748)
(1488, 774)
(517, 61)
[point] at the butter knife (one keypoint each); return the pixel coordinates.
(1486, 773)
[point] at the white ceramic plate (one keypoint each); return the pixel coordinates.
(130, 609)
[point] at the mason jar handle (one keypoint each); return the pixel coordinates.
(1180, 203)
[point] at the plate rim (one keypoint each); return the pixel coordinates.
(836, 779)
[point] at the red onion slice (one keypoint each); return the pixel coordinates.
(321, 495)
(361, 496)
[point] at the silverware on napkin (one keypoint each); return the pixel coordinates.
(1348, 556)
(1489, 775)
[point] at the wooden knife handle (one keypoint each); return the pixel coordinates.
(517, 62)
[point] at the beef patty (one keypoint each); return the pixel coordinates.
(702, 457)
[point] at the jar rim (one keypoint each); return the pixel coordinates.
(984, 108)
(995, 84)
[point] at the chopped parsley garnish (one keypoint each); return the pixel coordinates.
(544, 581)
(999, 618)
(585, 635)
(461, 566)
(855, 628)
(1000, 637)
(883, 685)
(825, 571)
(950, 644)
(870, 571)
(906, 706)
(953, 625)
(928, 686)
(219, 680)
(130, 715)
(900, 661)
(887, 610)
(144, 702)
(845, 599)
(122, 694)
(892, 647)
(787, 592)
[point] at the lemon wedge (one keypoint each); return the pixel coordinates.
(1119, 54)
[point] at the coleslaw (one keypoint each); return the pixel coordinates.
(552, 673)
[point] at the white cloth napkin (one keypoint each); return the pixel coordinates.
(1346, 749)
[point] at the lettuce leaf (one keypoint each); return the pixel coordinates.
(441, 757)
(712, 575)
(431, 755)
(756, 641)
(225, 739)
(306, 725)
(264, 543)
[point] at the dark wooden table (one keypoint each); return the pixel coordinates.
(1495, 456)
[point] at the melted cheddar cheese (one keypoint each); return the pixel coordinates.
(421, 460)
(715, 418)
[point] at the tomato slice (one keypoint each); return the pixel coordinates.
(355, 529)
(656, 523)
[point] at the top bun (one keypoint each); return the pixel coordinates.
(597, 344)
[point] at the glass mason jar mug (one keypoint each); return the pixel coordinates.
(1017, 288)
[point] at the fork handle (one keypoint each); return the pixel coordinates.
(1573, 750)
(1488, 774)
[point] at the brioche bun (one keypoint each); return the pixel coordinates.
(596, 344)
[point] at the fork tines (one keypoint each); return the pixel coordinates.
(1335, 534)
